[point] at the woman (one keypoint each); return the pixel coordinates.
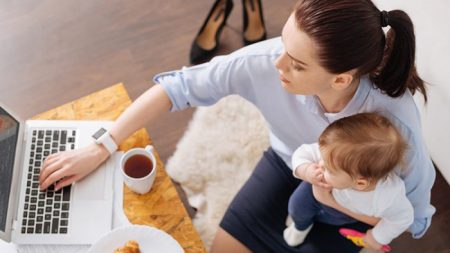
(330, 62)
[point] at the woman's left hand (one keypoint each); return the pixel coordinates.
(324, 196)
(370, 241)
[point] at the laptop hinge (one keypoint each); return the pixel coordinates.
(25, 134)
(14, 225)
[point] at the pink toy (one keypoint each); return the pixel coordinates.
(357, 238)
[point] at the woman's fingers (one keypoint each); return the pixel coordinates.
(65, 182)
(64, 168)
(56, 176)
(50, 159)
(49, 176)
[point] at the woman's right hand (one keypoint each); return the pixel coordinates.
(64, 168)
(67, 167)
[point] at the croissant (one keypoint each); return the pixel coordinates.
(130, 247)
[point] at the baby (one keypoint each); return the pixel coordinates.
(356, 156)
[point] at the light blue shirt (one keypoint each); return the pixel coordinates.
(294, 120)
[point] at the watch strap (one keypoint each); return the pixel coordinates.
(107, 142)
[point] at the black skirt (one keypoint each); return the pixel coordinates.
(256, 216)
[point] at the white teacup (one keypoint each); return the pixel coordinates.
(137, 173)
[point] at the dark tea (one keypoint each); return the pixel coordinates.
(138, 166)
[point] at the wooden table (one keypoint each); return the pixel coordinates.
(161, 207)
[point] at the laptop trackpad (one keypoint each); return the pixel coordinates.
(92, 187)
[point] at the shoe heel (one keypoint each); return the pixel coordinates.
(198, 54)
(246, 20)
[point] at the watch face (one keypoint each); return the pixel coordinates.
(99, 133)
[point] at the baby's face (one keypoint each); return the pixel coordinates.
(339, 179)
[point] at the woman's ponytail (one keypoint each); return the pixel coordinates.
(349, 36)
(397, 71)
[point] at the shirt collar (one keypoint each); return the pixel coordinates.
(357, 101)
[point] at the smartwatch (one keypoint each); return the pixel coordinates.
(103, 137)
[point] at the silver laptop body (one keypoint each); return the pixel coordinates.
(76, 214)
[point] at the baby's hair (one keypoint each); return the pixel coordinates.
(363, 145)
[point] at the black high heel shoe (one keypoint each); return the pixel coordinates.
(206, 41)
(253, 22)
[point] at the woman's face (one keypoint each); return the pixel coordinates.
(298, 66)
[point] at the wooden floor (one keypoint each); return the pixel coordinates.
(52, 52)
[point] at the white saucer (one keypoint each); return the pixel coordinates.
(151, 240)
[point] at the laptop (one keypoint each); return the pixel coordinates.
(77, 214)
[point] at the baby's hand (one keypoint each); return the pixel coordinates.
(314, 175)
(370, 241)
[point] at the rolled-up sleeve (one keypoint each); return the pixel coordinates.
(207, 83)
(170, 81)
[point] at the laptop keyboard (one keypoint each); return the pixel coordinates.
(46, 212)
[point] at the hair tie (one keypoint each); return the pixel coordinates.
(384, 16)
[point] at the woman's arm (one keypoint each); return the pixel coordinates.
(357, 216)
(325, 197)
(70, 166)
(145, 109)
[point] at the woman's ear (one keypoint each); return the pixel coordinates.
(343, 80)
(362, 183)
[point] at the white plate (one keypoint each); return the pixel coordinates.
(151, 240)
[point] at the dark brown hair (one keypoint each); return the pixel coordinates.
(349, 36)
(364, 144)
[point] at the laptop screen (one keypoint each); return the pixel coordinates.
(9, 132)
